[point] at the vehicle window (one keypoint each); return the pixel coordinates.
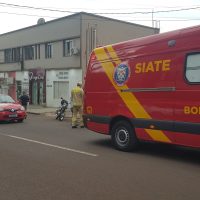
(6, 99)
(193, 68)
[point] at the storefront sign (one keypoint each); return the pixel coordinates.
(36, 74)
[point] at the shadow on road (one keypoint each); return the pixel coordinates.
(165, 151)
(172, 152)
(10, 122)
(105, 143)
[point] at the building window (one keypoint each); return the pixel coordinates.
(48, 50)
(8, 55)
(29, 52)
(12, 55)
(193, 68)
(16, 54)
(67, 47)
(37, 51)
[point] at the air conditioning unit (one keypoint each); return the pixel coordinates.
(75, 51)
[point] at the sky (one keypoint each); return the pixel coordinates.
(164, 14)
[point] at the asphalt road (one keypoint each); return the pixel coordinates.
(44, 159)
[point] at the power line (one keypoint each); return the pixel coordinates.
(107, 13)
(36, 8)
(116, 13)
(130, 20)
(24, 14)
(159, 11)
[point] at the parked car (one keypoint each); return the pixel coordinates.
(10, 110)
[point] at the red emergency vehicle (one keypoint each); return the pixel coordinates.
(146, 89)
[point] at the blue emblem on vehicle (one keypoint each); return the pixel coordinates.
(121, 74)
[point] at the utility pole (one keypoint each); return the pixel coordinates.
(152, 18)
(155, 23)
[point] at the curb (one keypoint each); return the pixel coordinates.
(33, 113)
(48, 114)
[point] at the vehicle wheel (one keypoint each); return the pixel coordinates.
(61, 118)
(123, 136)
(20, 120)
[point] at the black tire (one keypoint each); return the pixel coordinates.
(20, 120)
(61, 117)
(123, 136)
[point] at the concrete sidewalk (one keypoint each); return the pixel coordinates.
(50, 111)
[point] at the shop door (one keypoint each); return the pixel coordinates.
(41, 89)
(35, 93)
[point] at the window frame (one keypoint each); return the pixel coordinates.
(29, 52)
(185, 71)
(8, 55)
(67, 50)
(48, 50)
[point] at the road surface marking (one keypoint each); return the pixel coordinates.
(50, 145)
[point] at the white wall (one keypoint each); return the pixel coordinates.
(24, 78)
(73, 76)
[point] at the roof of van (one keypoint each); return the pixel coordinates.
(159, 37)
(187, 38)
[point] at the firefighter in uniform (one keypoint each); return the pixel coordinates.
(77, 106)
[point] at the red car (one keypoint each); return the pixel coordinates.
(11, 110)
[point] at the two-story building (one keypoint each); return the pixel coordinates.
(48, 59)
